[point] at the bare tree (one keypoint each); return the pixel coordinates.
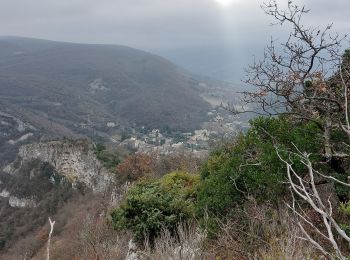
(52, 223)
(301, 77)
(343, 76)
(306, 189)
(96, 240)
(307, 78)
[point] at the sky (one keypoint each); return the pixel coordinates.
(213, 37)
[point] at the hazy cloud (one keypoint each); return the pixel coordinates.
(173, 28)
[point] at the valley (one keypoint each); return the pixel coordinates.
(60, 103)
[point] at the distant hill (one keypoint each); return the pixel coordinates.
(68, 88)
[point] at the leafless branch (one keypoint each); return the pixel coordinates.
(52, 223)
(309, 193)
(302, 76)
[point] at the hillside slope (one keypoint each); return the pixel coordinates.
(78, 86)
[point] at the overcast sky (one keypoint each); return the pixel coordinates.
(202, 35)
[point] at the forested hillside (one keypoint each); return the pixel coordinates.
(74, 83)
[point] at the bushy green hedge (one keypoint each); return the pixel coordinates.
(250, 165)
(151, 206)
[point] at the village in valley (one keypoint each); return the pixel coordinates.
(221, 126)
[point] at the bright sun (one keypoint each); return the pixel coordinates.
(225, 2)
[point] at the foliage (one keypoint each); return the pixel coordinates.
(186, 162)
(250, 165)
(136, 166)
(259, 230)
(345, 208)
(152, 206)
(308, 79)
(305, 79)
(141, 165)
(109, 160)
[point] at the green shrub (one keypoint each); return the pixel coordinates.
(345, 208)
(250, 166)
(152, 206)
(108, 159)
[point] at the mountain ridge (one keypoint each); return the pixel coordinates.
(112, 81)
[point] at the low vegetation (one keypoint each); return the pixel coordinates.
(235, 205)
(153, 206)
(109, 159)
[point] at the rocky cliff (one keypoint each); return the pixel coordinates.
(48, 179)
(73, 160)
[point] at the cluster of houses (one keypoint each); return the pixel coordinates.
(199, 142)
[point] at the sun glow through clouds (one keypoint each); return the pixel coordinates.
(225, 2)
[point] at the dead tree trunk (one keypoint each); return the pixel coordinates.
(52, 223)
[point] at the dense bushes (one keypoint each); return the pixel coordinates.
(142, 165)
(109, 159)
(152, 206)
(136, 166)
(250, 166)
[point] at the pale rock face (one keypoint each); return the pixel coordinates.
(8, 169)
(21, 203)
(117, 194)
(111, 124)
(16, 202)
(4, 193)
(4, 123)
(97, 85)
(21, 139)
(21, 126)
(74, 160)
